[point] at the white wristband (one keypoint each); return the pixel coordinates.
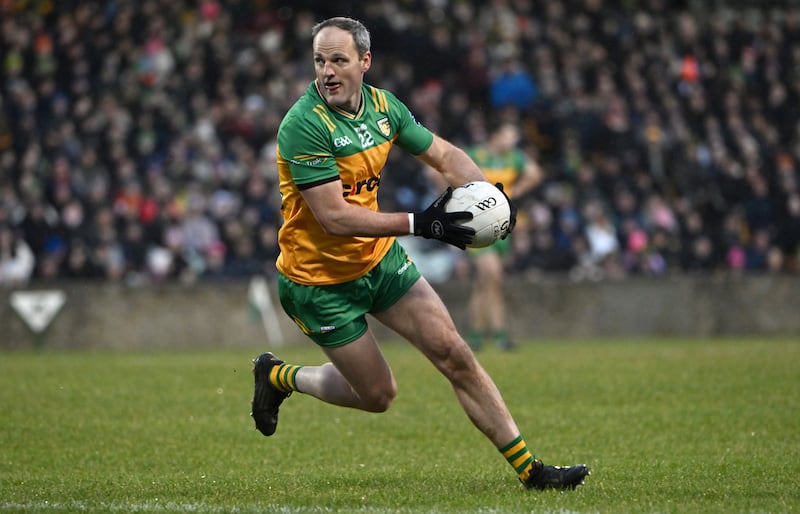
(411, 223)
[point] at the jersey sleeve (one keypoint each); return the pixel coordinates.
(304, 143)
(412, 136)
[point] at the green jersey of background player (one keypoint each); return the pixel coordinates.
(339, 259)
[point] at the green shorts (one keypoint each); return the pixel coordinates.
(501, 247)
(334, 315)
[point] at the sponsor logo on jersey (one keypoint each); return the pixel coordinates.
(308, 160)
(370, 184)
(384, 126)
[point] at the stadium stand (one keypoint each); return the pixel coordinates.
(137, 137)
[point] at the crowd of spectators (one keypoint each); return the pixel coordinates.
(137, 137)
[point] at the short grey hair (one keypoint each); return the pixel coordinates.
(354, 27)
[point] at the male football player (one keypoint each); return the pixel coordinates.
(339, 258)
(501, 161)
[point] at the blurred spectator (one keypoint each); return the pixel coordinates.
(513, 86)
(601, 235)
(16, 259)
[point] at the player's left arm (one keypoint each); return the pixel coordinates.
(530, 177)
(453, 163)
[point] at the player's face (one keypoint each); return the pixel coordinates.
(339, 69)
(507, 137)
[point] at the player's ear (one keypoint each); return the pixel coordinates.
(366, 61)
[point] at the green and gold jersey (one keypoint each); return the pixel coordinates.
(505, 168)
(319, 143)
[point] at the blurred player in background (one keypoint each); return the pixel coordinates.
(501, 161)
(339, 258)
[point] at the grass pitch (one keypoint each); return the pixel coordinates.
(666, 426)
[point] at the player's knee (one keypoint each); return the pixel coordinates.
(380, 402)
(379, 399)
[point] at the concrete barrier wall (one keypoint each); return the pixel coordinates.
(219, 314)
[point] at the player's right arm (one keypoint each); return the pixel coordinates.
(338, 217)
(341, 218)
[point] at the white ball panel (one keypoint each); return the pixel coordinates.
(489, 208)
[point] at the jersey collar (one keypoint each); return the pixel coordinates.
(339, 110)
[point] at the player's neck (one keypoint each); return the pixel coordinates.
(357, 108)
(346, 109)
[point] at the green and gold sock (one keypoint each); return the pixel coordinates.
(517, 454)
(282, 377)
